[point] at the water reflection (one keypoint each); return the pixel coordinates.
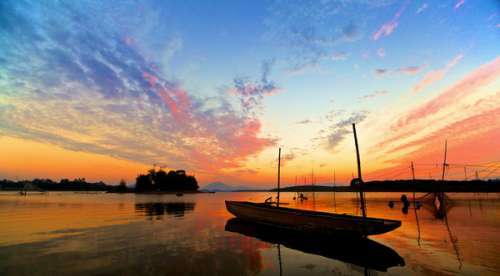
(159, 209)
(362, 252)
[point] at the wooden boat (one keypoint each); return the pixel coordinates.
(313, 221)
(354, 250)
(310, 221)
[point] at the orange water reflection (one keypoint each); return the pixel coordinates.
(164, 234)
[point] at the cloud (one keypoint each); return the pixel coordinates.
(458, 131)
(374, 94)
(299, 28)
(408, 70)
(252, 93)
(436, 75)
(464, 113)
(422, 8)
(482, 76)
(339, 56)
(304, 122)
(381, 52)
(459, 4)
(340, 128)
(389, 27)
(86, 88)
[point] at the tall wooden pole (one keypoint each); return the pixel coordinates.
(444, 162)
(334, 185)
(360, 179)
(279, 167)
(415, 202)
(414, 183)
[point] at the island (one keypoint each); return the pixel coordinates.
(159, 181)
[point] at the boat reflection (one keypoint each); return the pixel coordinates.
(159, 209)
(358, 251)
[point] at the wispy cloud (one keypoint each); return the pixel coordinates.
(339, 56)
(298, 27)
(459, 3)
(252, 93)
(436, 75)
(340, 128)
(388, 27)
(464, 113)
(408, 70)
(381, 52)
(304, 122)
(422, 8)
(484, 75)
(374, 94)
(381, 71)
(91, 90)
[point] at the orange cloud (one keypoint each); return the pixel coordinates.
(483, 76)
(436, 75)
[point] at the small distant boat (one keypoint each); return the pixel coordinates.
(313, 221)
(179, 194)
(310, 221)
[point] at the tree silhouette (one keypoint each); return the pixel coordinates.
(166, 182)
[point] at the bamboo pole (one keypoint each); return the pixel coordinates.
(279, 167)
(360, 179)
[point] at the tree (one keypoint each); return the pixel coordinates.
(122, 187)
(143, 183)
(167, 182)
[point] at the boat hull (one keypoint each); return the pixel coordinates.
(310, 221)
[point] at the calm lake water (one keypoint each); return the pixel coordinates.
(74, 234)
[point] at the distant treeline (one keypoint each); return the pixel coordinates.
(419, 185)
(161, 181)
(426, 185)
(78, 184)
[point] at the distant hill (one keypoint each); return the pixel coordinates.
(223, 187)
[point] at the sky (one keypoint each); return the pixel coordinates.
(105, 89)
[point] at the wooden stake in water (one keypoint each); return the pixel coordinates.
(279, 167)
(360, 179)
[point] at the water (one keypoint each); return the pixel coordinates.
(73, 234)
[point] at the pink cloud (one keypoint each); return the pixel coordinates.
(482, 76)
(410, 70)
(388, 28)
(215, 139)
(458, 130)
(459, 4)
(471, 140)
(436, 75)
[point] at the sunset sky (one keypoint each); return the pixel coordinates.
(105, 89)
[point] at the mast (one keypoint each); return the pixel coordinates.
(279, 167)
(360, 179)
